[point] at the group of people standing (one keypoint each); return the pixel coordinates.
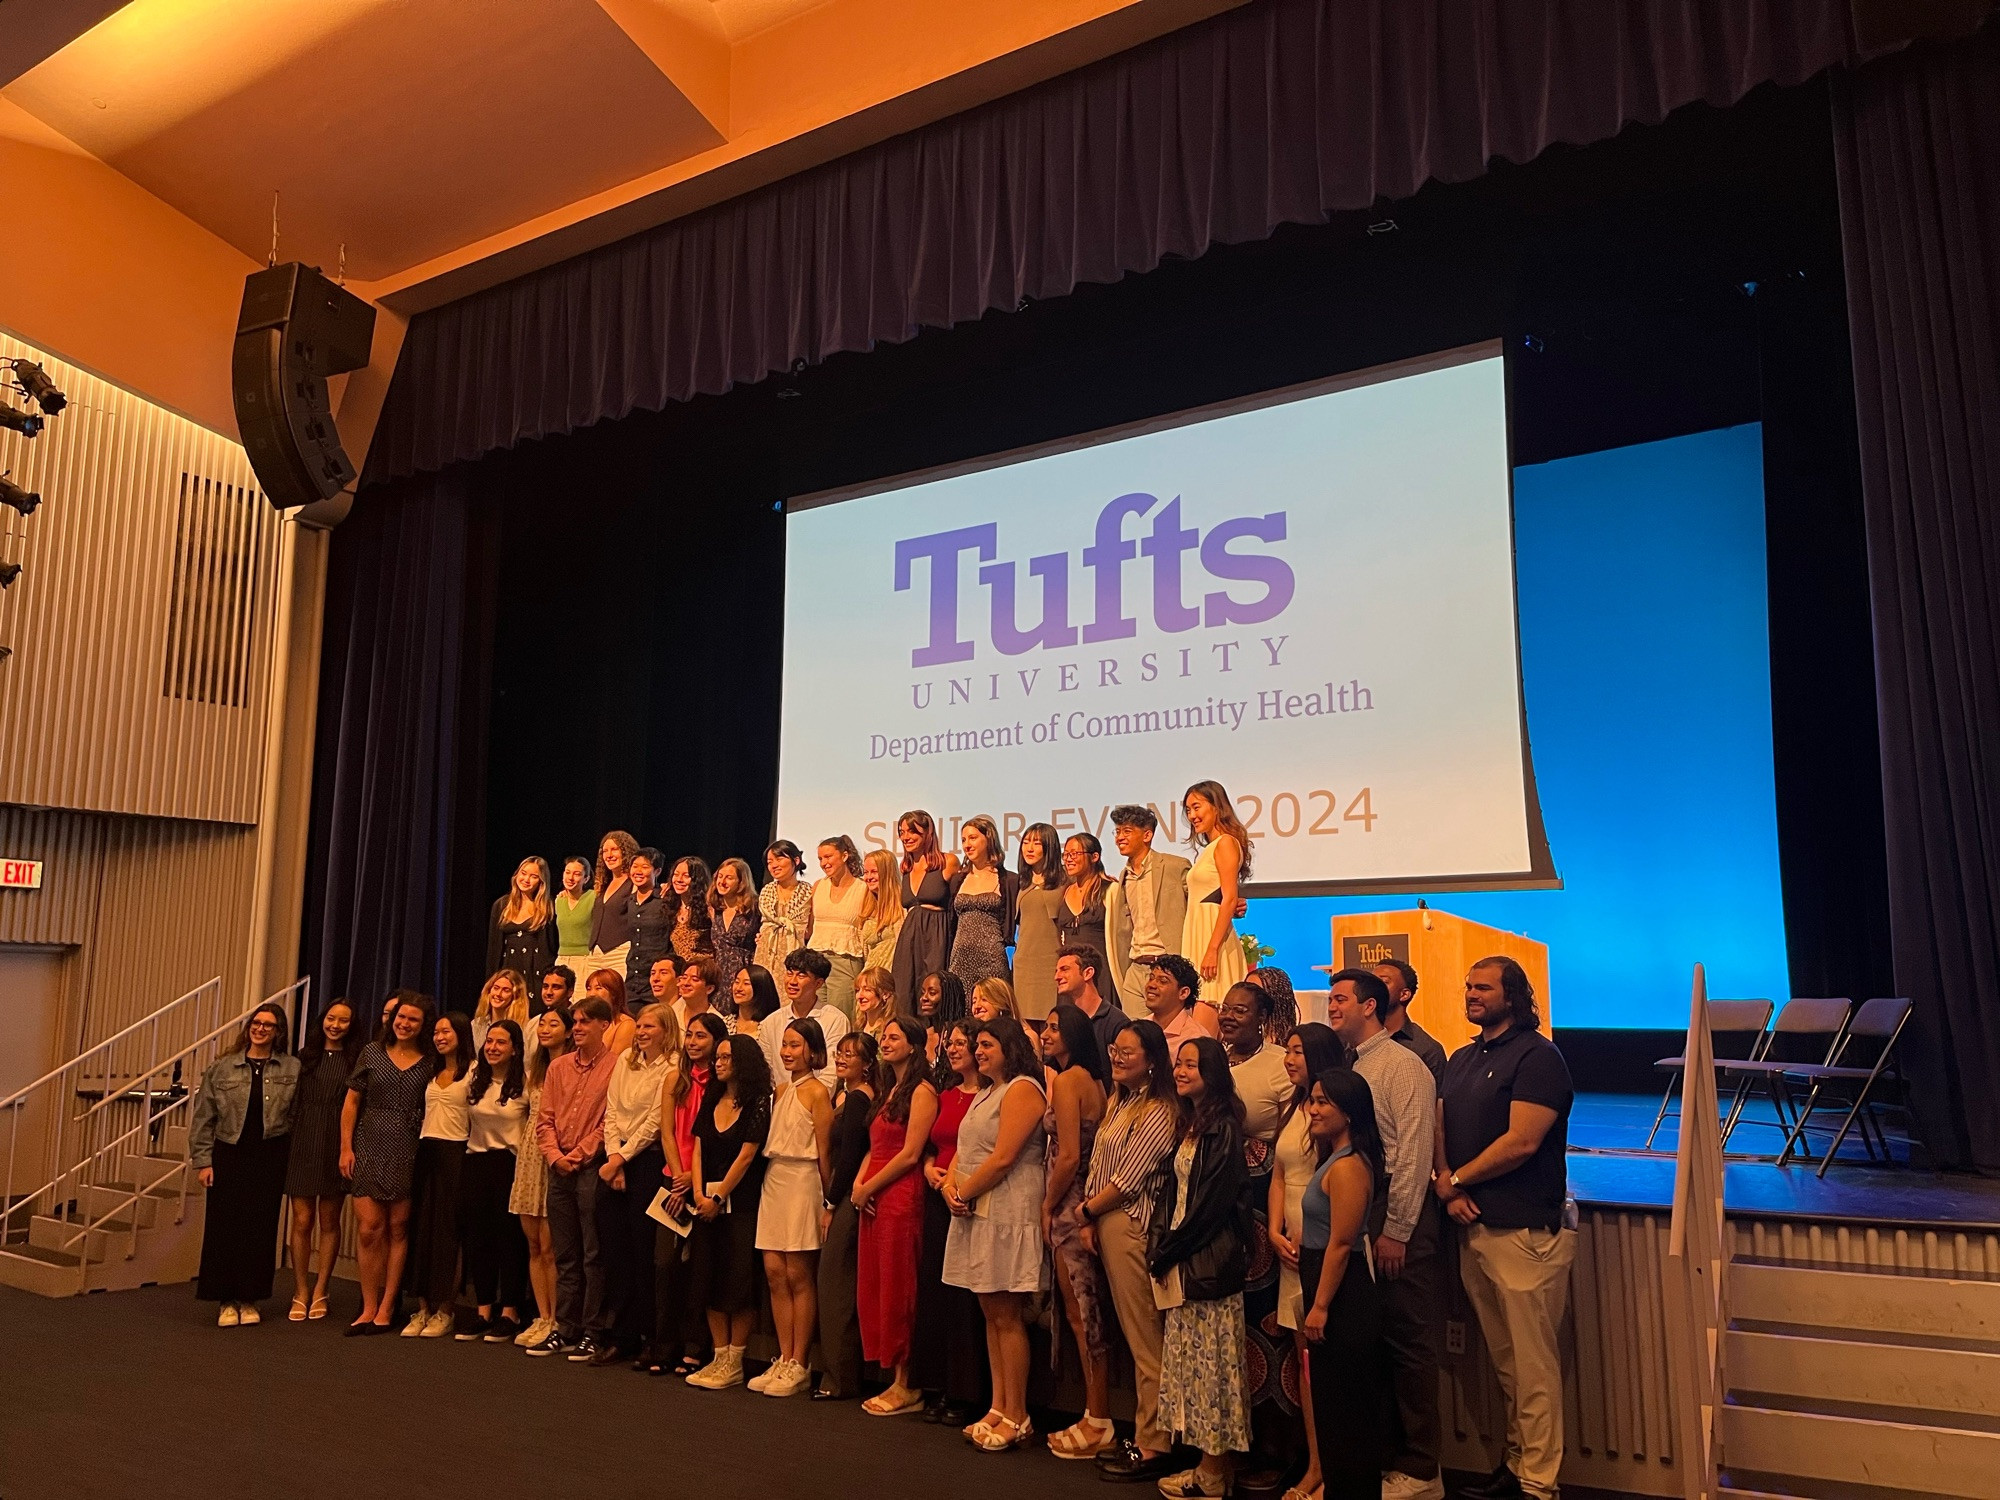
(889, 1155)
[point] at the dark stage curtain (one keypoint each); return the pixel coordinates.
(1919, 157)
(397, 691)
(1284, 111)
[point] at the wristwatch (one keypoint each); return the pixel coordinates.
(1455, 1182)
(1089, 1214)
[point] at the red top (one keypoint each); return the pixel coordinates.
(685, 1113)
(952, 1105)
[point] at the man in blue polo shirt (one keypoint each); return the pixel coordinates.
(1502, 1133)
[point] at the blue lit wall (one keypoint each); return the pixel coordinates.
(1646, 655)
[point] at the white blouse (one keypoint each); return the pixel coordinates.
(632, 1103)
(445, 1113)
(494, 1126)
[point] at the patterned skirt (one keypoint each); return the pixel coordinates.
(1203, 1396)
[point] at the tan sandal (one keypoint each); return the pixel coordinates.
(874, 1406)
(999, 1436)
(1086, 1439)
(298, 1312)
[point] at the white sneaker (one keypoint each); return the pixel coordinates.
(1397, 1485)
(246, 1314)
(415, 1327)
(439, 1325)
(725, 1370)
(795, 1381)
(227, 1318)
(772, 1371)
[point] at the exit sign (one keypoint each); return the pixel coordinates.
(21, 874)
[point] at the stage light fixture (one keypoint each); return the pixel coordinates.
(41, 390)
(27, 423)
(22, 500)
(8, 573)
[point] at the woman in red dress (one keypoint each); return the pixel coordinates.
(888, 1196)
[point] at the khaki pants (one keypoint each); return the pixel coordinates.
(1123, 1248)
(1518, 1280)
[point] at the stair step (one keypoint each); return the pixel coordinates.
(1865, 1301)
(1893, 1448)
(1744, 1484)
(113, 1237)
(41, 1253)
(1826, 1366)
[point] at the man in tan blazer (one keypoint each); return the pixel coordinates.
(1146, 909)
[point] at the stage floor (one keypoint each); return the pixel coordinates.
(1609, 1168)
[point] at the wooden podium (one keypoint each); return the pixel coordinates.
(1440, 947)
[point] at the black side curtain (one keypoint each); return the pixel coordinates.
(1918, 140)
(397, 690)
(1282, 111)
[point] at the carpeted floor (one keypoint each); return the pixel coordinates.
(138, 1396)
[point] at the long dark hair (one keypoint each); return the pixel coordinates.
(482, 1071)
(1324, 1050)
(1218, 1089)
(718, 1033)
(1159, 1062)
(696, 899)
(763, 992)
(1019, 1057)
(1348, 1092)
(951, 998)
(749, 1082)
(1047, 871)
(893, 1103)
(461, 1057)
(1079, 1039)
(312, 1046)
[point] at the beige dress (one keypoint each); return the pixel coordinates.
(1035, 945)
(1204, 911)
(1296, 1159)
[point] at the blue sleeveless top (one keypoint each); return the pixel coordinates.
(1317, 1210)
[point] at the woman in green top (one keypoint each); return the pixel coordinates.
(576, 905)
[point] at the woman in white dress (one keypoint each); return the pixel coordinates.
(995, 1247)
(1221, 866)
(800, 1157)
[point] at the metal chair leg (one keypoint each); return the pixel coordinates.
(1667, 1098)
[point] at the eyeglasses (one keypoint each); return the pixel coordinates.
(263, 1025)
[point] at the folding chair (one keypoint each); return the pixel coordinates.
(1879, 1021)
(1806, 1031)
(1737, 1030)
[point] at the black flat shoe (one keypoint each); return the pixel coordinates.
(1129, 1466)
(826, 1395)
(958, 1414)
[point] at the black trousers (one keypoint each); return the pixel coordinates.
(1351, 1409)
(948, 1344)
(1411, 1313)
(433, 1270)
(496, 1252)
(626, 1233)
(839, 1325)
(678, 1327)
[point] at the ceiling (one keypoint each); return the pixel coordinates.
(398, 128)
(442, 145)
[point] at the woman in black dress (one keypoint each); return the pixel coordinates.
(237, 1141)
(728, 1173)
(378, 1149)
(522, 933)
(839, 1328)
(312, 1177)
(924, 945)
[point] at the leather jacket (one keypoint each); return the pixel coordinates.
(224, 1099)
(1212, 1243)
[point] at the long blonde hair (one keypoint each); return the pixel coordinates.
(518, 1011)
(885, 902)
(533, 911)
(670, 1034)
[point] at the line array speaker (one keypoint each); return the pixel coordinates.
(296, 329)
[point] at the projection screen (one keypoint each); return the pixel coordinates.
(1307, 596)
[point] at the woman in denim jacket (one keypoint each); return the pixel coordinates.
(237, 1143)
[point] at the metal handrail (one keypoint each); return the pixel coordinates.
(76, 1164)
(77, 1062)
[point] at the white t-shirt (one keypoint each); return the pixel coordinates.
(772, 1031)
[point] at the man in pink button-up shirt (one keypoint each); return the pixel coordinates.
(569, 1129)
